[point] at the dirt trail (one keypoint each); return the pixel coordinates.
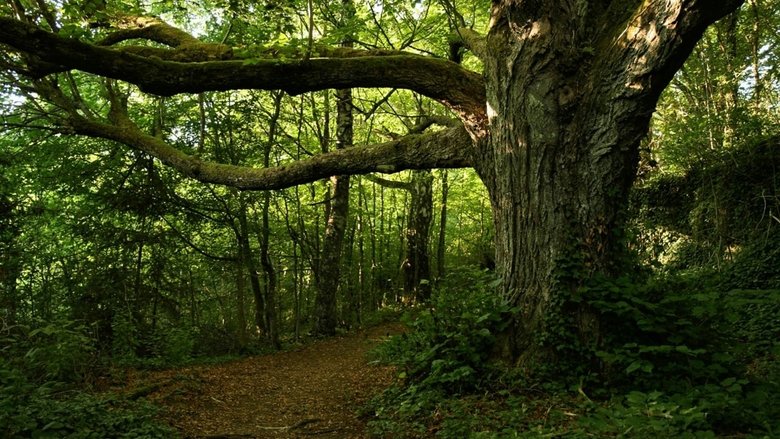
(313, 391)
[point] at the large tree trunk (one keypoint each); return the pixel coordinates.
(569, 99)
(570, 86)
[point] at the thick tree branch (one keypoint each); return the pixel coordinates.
(148, 28)
(646, 51)
(201, 52)
(657, 39)
(443, 149)
(471, 40)
(425, 123)
(461, 90)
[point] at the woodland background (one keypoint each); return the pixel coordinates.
(109, 260)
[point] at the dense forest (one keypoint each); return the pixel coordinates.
(568, 211)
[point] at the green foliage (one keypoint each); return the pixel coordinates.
(38, 371)
(450, 345)
(177, 344)
(756, 266)
(31, 411)
(448, 352)
(167, 346)
(57, 351)
(720, 211)
(385, 314)
(672, 361)
(690, 351)
(641, 414)
(657, 332)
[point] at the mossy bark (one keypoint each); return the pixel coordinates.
(570, 92)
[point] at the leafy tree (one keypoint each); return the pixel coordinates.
(552, 124)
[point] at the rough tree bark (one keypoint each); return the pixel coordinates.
(571, 87)
(325, 315)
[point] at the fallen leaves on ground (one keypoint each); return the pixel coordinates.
(313, 391)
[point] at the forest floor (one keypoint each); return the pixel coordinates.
(312, 391)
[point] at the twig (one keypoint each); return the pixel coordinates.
(299, 424)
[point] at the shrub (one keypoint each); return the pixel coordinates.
(448, 352)
(39, 370)
(28, 410)
(451, 343)
(673, 361)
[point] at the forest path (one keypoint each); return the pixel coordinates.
(313, 391)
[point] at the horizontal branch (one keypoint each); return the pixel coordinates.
(427, 121)
(443, 149)
(461, 90)
(195, 247)
(390, 184)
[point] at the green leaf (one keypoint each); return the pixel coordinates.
(633, 366)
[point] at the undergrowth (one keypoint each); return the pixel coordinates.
(42, 370)
(674, 361)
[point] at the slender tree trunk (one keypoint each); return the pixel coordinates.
(296, 294)
(264, 236)
(254, 278)
(10, 264)
(373, 274)
(400, 234)
(727, 39)
(349, 281)
(10, 269)
(384, 282)
(138, 282)
(755, 49)
(193, 302)
(240, 267)
(441, 248)
(297, 276)
(417, 272)
(325, 311)
(269, 275)
(155, 300)
(316, 252)
(360, 225)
